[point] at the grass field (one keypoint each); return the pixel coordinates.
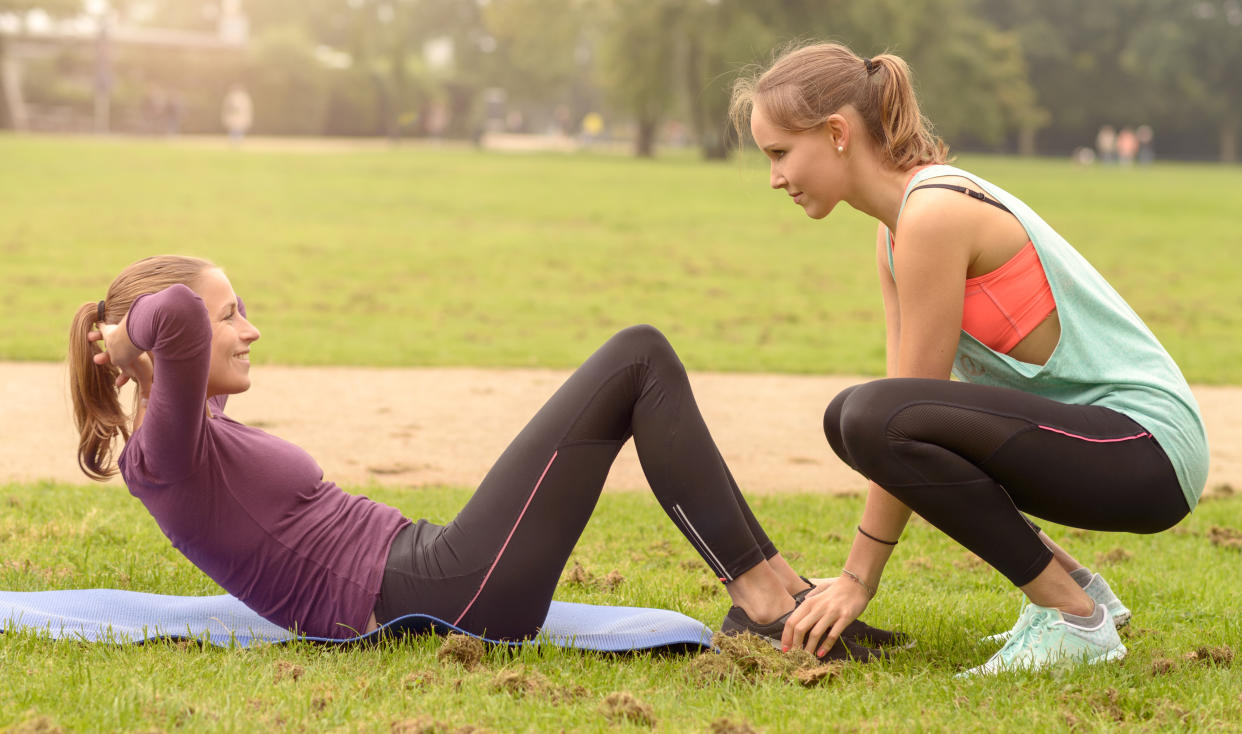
(450, 256)
(1181, 586)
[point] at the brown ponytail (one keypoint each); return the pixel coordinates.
(97, 408)
(806, 85)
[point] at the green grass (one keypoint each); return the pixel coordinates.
(1181, 586)
(450, 256)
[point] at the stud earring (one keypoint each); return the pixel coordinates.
(840, 148)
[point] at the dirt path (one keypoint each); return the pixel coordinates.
(428, 426)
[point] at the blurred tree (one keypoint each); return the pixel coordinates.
(719, 40)
(636, 62)
(1192, 52)
(289, 87)
(381, 38)
(1074, 61)
(971, 78)
(458, 28)
(384, 46)
(387, 42)
(538, 62)
(51, 7)
(989, 72)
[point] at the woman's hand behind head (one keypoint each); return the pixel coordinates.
(120, 353)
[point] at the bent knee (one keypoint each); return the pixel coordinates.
(641, 334)
(832, 422)
(856, 423)
(643, 340)
(857, 409)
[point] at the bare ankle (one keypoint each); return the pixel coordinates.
(761, 594)
(789, 578)
(768, 610)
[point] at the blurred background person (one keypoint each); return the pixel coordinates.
(237, 112)
(1127, 147)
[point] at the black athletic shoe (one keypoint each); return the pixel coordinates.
(864, 634)
(738, 622)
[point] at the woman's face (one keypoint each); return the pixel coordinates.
(231, 335)
(807, 165)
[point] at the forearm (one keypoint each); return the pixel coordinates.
(884, 518)
(121, 348)
(172, 326)
(142, 395)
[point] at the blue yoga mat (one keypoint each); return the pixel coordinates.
(111, 615)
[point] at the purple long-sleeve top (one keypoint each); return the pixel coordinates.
(251, 510)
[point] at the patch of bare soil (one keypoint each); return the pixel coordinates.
(415, 427)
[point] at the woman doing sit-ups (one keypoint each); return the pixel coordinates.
(255, 513)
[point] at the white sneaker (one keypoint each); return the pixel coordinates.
(1099, 591)
(1043, 638)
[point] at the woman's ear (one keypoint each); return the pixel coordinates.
(838, 127)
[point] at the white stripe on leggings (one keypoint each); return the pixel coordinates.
(724, 573)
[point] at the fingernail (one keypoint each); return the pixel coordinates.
(784, 648)
(820, 652)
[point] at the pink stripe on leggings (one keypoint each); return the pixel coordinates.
(506, 543)
(1144, 434)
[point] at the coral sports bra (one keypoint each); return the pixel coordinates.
(1002, 307)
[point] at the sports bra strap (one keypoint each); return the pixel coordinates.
(962, 190)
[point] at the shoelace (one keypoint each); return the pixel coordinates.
(1032, 631)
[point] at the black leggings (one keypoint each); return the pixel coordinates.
(972, 458)
(492, 570)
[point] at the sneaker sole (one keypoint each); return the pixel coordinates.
(733, 628)
(1117, 653)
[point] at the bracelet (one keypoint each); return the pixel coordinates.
(858, 580)
(869, 535)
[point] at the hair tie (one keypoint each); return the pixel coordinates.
(878, 540)
(99, 313)
(871, 66)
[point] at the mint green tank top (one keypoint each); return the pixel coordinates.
(1106, 355)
